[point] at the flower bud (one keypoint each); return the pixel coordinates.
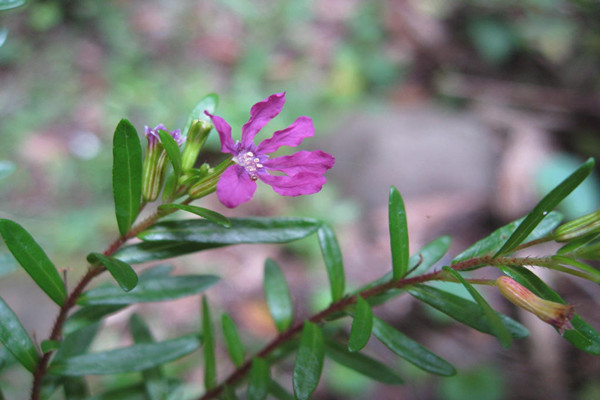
(587, 225)
(553, 313)
(196, 137)
(155, 162)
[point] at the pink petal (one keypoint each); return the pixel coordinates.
(313, 162)
(227, 145)
(235, 186)
(261, 113)
(302, 183)
(293, 135)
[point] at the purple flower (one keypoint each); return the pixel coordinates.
(304, 171)
(153, 137)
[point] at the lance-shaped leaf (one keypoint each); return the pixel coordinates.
(362, 325)
(15, 338)
(496, 325)
(150, 251)
(210, 365)
(33, 259)
(279, 392)
(309, 361)
(333, 261)
(242, 230)
(121, 271)
(232, 339)
(158, 289)
(208, 103)
(362, 364)
(583, 336)
(88, 315)
(137, 357)
(463, 310)
(154, 380)
(126, 174)
(493, 242)
(172, 149)
(398, 234)
(260, 377)
(547, 204)
(205, 213)
(277, 294)
(410, 350)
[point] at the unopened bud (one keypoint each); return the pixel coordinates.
(587, 225)
(155, 162)
(553, 313)
(196, 137)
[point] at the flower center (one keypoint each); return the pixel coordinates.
(250, 162)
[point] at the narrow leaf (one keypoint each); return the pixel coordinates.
(583, 336)
(333, 261)
(151, 251)
(127, 174)
(33, 259)
(137, 357)
(88, 315)
(205, 213)
(49, 345)
(595, 274)
(172, 149)
(496, 325)
(277, 391)
(15, 338)
(77, 343)
(159, 289)
(410, 350)
(398, 234)
(309, 361)
(121, 271)
(232, 339)
(362, 364)
(229, 393)
(208, 103)
(362, 325)
(277, 295)
(76, 388)
(210, 367)
(547, 204)
(258, 385)
(463, 310)
(242, 230)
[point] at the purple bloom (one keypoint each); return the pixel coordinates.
(304, 171)
(153, 137)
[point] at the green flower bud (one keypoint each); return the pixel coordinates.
(196, 137)
(584, 226)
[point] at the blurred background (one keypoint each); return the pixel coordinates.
(472, 108)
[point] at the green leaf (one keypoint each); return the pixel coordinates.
(49, 345)
(277, 391)
(362, 364)
(33, 259)
(309, 361)
(121, 271)
(333, 261)
(463, 310)
(428, 255)
(151, 251)
(362, 325)
(493, 242)
(88, 315)
(76, 388)
(15, 338)
(159, 289)
(260, 377)
(208, 103)
(582, 336)
(541, 210)
(137, 357)
(10, 4)
(410, 350)
(205, 213)
(398, 234)
(229, 393)
(210, 366)
(242, 230)
(595, 274)
(127, 174)
(277, 295)
(77, 343)
(232, 339)
(172, 149)
(496, 325)
(154, 381)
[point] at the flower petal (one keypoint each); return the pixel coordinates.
(292, 136)
(261, 113)
(227, 145)
(235, 186)
(314, 162)
(302, 183)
